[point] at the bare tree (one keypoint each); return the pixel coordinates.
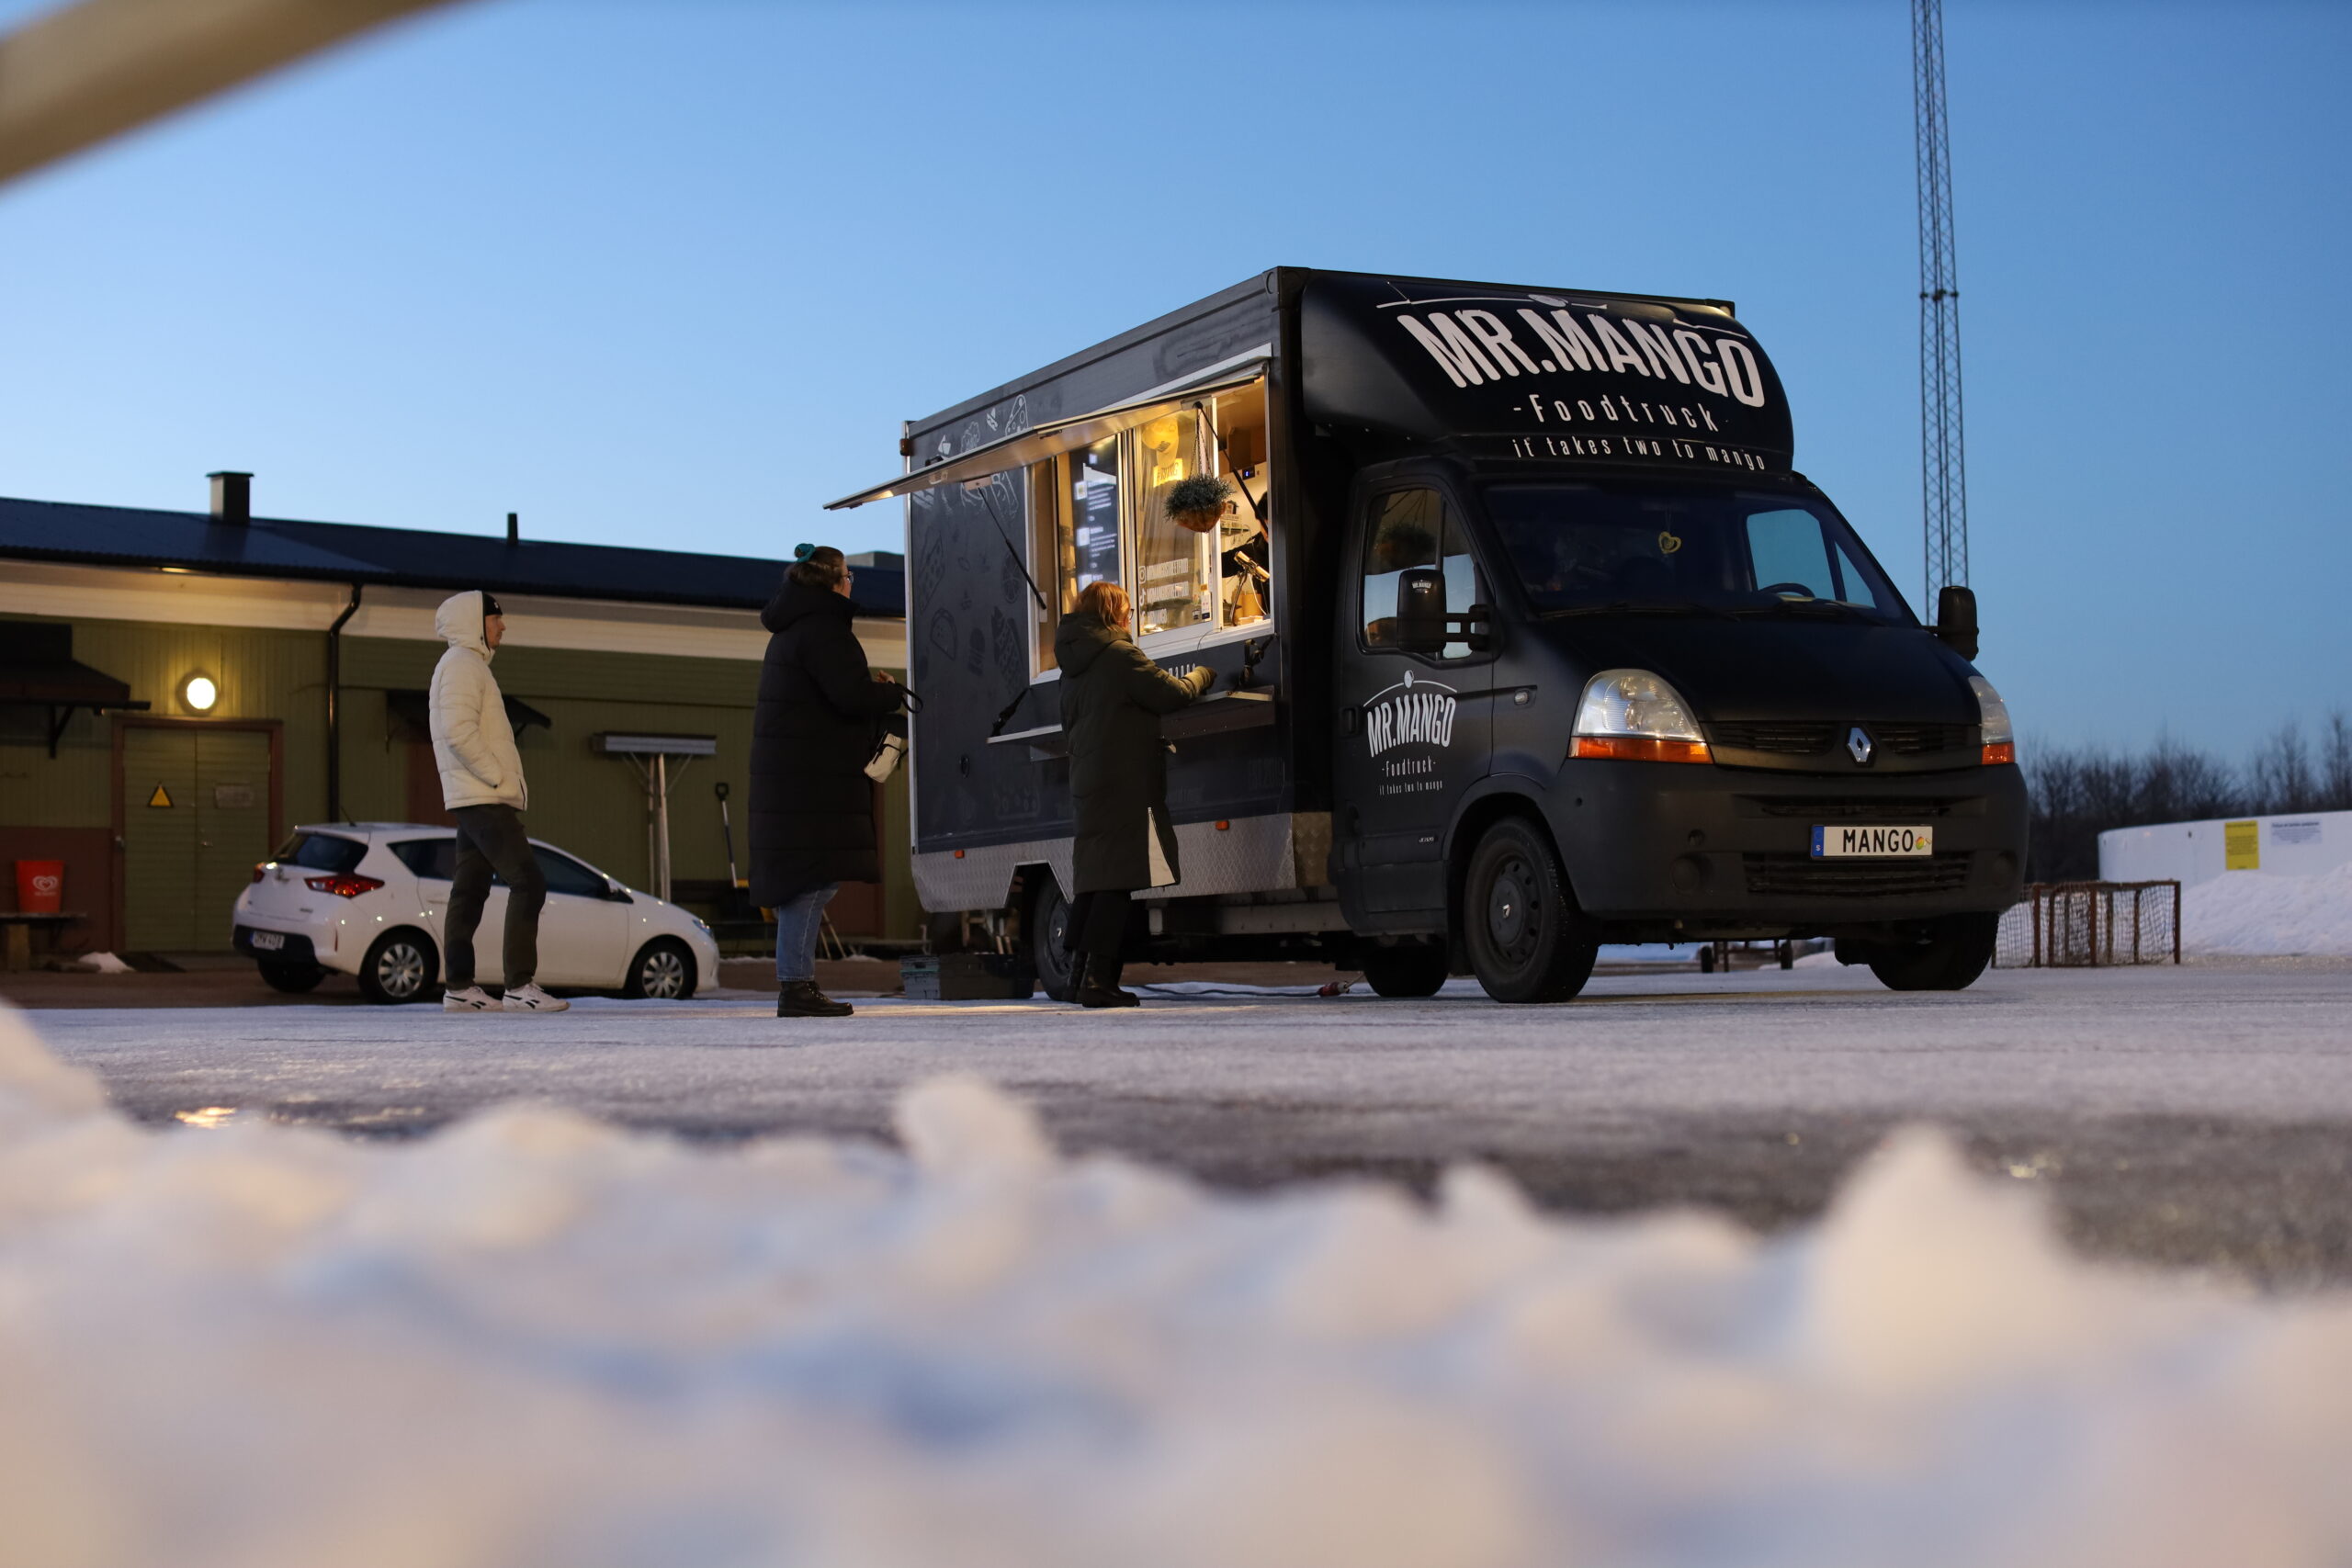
(2335, 762)
(2279, 776)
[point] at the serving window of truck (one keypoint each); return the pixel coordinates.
(1100, 513)
(1528, 636)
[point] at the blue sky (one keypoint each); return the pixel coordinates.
(672, 273)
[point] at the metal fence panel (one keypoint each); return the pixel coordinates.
(2082, 925)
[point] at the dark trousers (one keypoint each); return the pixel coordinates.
(490, 838)
(1098, 923)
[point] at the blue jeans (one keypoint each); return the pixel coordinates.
(798, 922)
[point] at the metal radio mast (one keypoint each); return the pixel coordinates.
(1942, 464)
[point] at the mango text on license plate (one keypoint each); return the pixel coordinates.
(1830, 843)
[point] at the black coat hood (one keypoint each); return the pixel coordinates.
(1081, 640)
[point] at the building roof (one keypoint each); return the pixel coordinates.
(405, 557)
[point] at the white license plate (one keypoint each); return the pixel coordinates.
(268, 941)
(1874, 843)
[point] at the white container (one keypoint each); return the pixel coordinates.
(2191, 852)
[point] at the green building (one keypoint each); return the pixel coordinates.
(178, 691)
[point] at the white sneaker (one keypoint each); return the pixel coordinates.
(530, 998)
(468, 998)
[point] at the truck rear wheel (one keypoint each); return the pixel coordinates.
(1528, 942)
(1416, 971)
(1956, 951)
(1048, 929)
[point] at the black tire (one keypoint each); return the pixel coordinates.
(401, 967)
(293, 978)
(1048, 929)
(1528, 942)
(1957, 950)
(1415, 971)
(663, 969)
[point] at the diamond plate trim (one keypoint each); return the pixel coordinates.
(1251, 854)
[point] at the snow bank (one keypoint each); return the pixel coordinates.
(2265, 913)
(533, 1341)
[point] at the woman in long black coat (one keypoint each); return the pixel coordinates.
(812, 735)
(1112, 696)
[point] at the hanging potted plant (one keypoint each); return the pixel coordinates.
(1197, 502)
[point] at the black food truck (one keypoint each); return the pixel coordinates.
(1527, 637)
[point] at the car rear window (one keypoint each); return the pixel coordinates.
(325, 851)
(430, 858)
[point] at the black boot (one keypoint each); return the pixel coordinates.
(801, 998)
(1100, 986)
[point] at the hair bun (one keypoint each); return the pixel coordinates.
(802, 552)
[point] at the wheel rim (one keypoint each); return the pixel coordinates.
(663, 974)
(400, 970)
(1514, 925)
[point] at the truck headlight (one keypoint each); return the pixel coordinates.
(1992, 718)
(1633, 715)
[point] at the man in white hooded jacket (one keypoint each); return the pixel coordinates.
(481, 784)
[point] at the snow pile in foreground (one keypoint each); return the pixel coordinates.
(533, 1341)
(2265, 913)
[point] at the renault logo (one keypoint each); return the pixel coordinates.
(1857, 743)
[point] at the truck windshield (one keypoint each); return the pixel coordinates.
(1596, 548)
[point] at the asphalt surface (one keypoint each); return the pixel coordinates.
(2197, 1117)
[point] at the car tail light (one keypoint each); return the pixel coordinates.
(344, 886)
(261, 871)
(1640, 748)
(2000, 751)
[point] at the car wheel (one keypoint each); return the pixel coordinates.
(399, 967)
(1048, 929)
(1416, 971)
(1528, 942)
(294, 979)
(1956, 951)
(663, 969)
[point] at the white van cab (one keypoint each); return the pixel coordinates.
(372, 899)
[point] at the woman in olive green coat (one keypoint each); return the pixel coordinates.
(1112, 696)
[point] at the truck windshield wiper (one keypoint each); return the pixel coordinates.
(1801, 609)
(1637, 607)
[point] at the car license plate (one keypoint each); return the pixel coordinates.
(268, 941)
(1874, 843)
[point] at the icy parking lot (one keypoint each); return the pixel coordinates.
(2192, 1116)
(532, 1338)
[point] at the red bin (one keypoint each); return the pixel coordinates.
(40, 886)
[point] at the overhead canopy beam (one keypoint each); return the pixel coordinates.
(94, 70)
(1060, 436)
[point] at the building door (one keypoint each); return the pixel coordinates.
(195, 821)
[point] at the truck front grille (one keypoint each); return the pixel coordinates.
(1803, 876)
(1920, 739)
(1796, 739)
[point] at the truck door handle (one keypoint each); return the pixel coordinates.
(1354, 722)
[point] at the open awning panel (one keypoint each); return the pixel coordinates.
(1040, 442)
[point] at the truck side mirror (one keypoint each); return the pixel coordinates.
(1421, 609)
(1956, 620)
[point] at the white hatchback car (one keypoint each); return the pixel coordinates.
(372, 899)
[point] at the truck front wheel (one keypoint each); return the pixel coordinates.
(1528, 942)
(1954, 953)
